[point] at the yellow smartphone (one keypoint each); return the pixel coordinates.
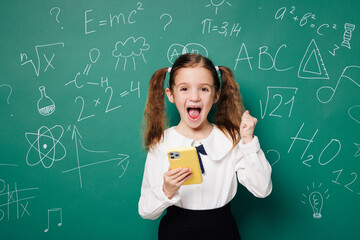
(186, 157)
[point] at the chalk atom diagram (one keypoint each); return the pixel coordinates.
(45, 146)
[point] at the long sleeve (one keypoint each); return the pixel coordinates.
(253, 170)
(153, 201)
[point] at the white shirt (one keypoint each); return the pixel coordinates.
(219, 185)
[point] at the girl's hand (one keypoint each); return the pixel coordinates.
(173, 179)
(247, 127)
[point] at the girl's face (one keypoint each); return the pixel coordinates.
(193, 94)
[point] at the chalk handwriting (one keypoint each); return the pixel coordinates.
(307, 19)
(25, 60)
(264, 56)
(45, 146)
(225, 28)
(279, 93)
(113, 20)
(176, 50)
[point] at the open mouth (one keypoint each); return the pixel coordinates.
(194, 112)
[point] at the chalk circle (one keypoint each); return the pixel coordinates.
(94, 53)
(176, 50)
(354, 113)
(325, 96)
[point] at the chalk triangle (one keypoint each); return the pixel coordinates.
(312, 65)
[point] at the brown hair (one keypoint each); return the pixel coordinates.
(229, 110)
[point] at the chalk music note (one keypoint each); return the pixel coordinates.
(59, 210)
(349, 72)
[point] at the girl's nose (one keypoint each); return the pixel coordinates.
(194, 95)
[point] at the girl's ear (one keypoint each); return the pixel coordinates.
(217, 96)
(170, 95)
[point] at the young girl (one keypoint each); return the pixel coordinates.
(230, 150)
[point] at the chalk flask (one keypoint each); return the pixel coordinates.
(45, 104)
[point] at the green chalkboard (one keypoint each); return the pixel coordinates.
(73, 86)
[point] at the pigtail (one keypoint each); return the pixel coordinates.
(230, 107)
(154, 114)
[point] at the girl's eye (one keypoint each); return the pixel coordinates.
(183, 89)
(204, 89)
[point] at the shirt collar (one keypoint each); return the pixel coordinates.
(216, 145)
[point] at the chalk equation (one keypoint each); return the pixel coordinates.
(14, 201)
(327, 155)
(109, 92)
(280, 101)
(225, 28)
(99, 156)
(303, 20)
(91, 24)
(315, 198)
(41, 52)
(45, 146)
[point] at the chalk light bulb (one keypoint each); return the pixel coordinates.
(316, 202)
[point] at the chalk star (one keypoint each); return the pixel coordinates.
(358, 151)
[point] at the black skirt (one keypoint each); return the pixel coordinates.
(179, 223)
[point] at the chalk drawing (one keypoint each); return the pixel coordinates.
(170, 19)
(56, 9)
(54, 211)
(217, 4)
(45, 104)
(14, 202)
(349, 28)
(94, 55)
(315, 198)
(277, 159)
(45, 146)
(279, 93)
(326, 93)
(131, 48)
(312, 65)
(24, 58)
(122, 159)
(10, 91)
(176, 50)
